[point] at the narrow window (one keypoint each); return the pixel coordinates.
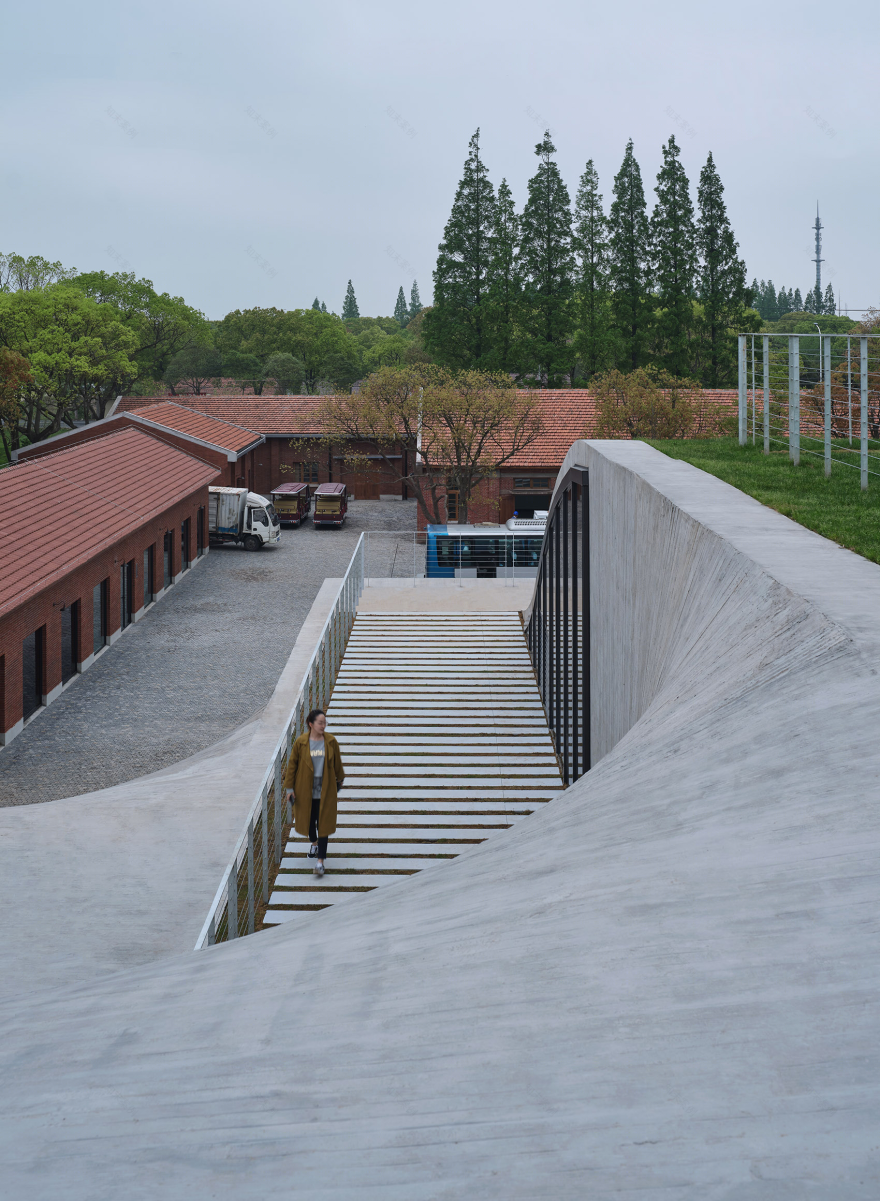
(452, 505)
(127, 589)
(184, 545)
(167, 550)
(32, 652)
(149, 556)
(69, 641)
(99, 615)
(200, 532)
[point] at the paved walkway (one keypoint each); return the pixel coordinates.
(201, 662)
(444, 743)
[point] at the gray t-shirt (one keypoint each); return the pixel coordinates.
(316, 749)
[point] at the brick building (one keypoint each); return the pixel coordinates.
(92, 534)
(227, 446)
(287, 423)
(524, 484)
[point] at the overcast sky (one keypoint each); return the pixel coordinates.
(261, 153)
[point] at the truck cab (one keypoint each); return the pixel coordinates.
(261, 522)
(236, 515)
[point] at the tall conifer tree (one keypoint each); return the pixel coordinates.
(316, 304)
(455, 329)
(798, 302)
(629, 243)
(722, 282)
(401, 312)
(674, 255)
(547, 265)
(350, 304)
(415, 301)
(829, 304)
(592, 339)
(505, 286)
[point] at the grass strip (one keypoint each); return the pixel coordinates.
(834, 507)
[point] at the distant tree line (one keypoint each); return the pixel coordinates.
(557, 294)
(71, 342)
(773, 305)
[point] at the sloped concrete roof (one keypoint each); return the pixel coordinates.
(665, 988)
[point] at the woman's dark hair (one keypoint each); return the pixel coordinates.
(314, 715)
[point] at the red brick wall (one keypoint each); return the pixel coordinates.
(44, 609)
(278, 454)
(493, 499)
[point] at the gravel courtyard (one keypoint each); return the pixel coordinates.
(199, 663)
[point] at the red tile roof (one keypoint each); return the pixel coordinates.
(567, 413)
(217, 433)
(272, 416)
(110, 487)
(572, 413)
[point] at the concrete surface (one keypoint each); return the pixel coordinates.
(445, 596)
(127, 875)
(200, 662)
(666, 988)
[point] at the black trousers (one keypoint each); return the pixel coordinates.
(313, 828)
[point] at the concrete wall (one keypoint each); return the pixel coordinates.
(665, 986)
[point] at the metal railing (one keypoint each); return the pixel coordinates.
(818, 394)
(558, 627)
(245, 886)
(480, 552)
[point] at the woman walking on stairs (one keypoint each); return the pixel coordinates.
(313, 776)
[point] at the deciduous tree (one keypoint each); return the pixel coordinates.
(455, 428)
(79, 353)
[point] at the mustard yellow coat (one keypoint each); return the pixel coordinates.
(300, 776)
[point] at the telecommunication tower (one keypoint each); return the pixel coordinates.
(818, 259)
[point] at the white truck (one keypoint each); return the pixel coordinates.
(236, 515)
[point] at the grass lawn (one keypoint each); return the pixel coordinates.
(836, 507)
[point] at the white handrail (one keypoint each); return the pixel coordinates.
(345, 603)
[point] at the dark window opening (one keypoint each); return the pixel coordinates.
(70, 656)
(149, 556)
(32, 654)
(127, 592)
(200, 533)
(184, 545)
(526, 505)
(167, 551)
(452, 505)
(99, 615)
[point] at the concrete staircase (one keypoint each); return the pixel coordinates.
(444, 743)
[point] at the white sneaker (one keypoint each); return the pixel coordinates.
(312, 853)
(319, 868)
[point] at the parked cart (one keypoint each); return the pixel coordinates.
(293, 503)
(331, 503)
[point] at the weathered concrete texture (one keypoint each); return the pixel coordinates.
(666, 988)
(127, 875)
